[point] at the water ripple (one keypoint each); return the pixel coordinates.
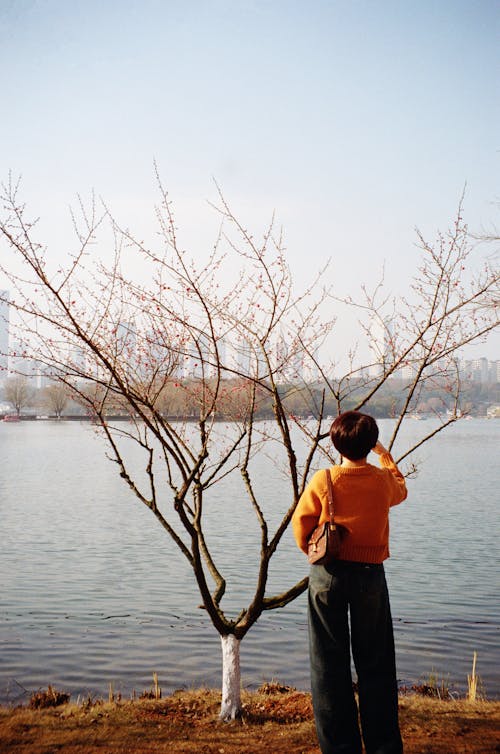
(92, 591)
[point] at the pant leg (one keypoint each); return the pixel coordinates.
(374, 658)
(335, 710)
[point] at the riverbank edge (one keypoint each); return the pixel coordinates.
(276, 718)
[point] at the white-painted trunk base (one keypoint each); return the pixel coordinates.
(231, 678)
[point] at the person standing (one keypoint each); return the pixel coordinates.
(348, 600)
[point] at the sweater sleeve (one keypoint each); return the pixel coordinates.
(308, 512)
(397, 480)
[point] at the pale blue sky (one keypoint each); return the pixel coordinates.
(354, 120)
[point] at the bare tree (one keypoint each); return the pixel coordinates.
(56, 397)
(199, 343)
(18, 392)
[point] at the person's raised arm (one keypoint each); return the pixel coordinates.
(387, 462)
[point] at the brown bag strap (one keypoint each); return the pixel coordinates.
(330, 496)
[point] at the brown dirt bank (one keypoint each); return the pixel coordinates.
(277, 723)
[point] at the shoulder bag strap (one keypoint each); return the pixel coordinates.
(330, 497)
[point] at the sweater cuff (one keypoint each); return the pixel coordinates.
(386, 460)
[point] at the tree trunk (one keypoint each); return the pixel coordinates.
(231, 678)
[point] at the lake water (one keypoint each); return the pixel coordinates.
(92, 591)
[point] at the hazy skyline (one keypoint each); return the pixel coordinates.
(355, 121)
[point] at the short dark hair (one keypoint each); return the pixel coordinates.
(354, 434)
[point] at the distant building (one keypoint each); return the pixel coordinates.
(494, 371)
(295, 367)
(237, 356)
(4, 333)
(19, 360)
(480, 370)
(22, 363)
(199, 359)
(125, 348)
(406, 372)
(126, 339)
(78, 360)
(381, 346)
(289, 360)
(310, 369)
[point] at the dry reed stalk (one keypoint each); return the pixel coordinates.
(157, 686)
(472, 682)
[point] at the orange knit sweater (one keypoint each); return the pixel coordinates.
(362, 497)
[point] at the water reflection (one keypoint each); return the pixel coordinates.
(92, 590)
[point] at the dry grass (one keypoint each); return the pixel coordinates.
(49, 698)
(276, 720)
(472, 682)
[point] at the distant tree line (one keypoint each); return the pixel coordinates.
(22, 396)
(181, 399)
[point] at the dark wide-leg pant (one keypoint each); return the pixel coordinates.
(336, 591)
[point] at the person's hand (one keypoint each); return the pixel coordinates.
(379, 449)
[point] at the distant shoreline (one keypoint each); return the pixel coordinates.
(7, 418)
